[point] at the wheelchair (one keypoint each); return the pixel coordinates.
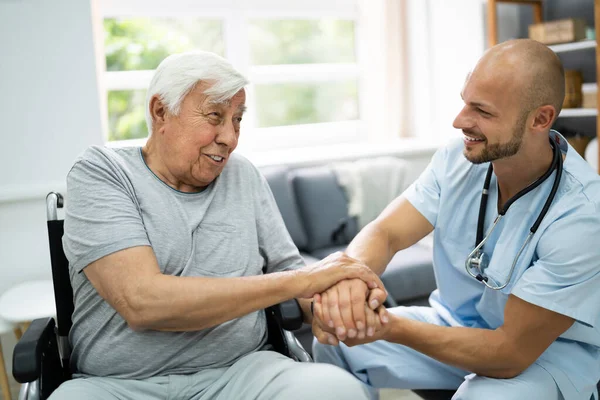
(41, 357)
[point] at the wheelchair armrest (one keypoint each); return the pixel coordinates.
(288, 314)
(37, 346)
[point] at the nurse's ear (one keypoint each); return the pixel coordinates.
(541, 119)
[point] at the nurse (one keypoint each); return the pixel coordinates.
(517, 311)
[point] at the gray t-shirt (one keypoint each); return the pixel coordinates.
(232, 228)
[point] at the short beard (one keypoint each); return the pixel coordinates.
(497, 151)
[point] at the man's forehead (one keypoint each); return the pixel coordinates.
(227, 103)
(487, 86)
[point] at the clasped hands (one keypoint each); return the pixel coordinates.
(351, 311)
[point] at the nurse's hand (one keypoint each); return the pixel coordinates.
(327, 335)
(344, 308)
(381, 330)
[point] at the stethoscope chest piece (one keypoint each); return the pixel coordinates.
(479, 260)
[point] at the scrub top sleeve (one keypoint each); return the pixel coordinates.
(566, 277)
(424, 193)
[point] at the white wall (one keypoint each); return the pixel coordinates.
(49, 113)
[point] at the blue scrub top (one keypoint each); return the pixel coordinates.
(558, 270)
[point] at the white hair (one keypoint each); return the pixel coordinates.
(178, 74)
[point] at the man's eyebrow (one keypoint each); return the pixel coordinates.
(476, 103)
(242, 109)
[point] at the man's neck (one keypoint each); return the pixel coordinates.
(521, 170)
(155, 163)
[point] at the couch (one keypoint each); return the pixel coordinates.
(315, 211)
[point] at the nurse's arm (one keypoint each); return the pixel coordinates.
(399, 226)
(505, 352)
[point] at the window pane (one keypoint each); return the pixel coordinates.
(142, 43)
(126, 114)
(301, 41)
(291, 104)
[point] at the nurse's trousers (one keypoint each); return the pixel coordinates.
(388, 365)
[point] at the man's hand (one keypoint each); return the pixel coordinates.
(327, 335)
(336, 267)
(343, 308)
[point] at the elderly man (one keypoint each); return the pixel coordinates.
(517, 311)
(166, 247)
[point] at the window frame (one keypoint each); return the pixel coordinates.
(235, 16)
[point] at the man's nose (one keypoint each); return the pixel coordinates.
(463, 120)
(228, 135)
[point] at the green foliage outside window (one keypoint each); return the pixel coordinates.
(141, 44)
(134, 44)
(294, 104)
(301, 41)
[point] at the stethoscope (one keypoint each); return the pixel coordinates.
(477, 259)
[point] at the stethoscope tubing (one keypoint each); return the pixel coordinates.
(477, 253)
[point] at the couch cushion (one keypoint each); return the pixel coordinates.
(323, 207)
(309, 259)
(324, 252)
(409, 274)
(280, 183)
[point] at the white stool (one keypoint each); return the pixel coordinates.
(4, 328)
(27, 301)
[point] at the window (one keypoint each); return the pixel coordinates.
(300, 58)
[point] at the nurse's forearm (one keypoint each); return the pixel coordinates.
(399, 226)
(372, 247)
(482, 351)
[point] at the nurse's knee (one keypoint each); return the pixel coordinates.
(324, 353)
(475, 388)
(522, 387)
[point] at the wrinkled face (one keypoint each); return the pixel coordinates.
(199, 141)
(492, 121)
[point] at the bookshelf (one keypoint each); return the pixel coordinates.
(584, 45)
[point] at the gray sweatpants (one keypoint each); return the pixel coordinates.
(263, 375)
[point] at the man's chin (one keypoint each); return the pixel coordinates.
(474, 157)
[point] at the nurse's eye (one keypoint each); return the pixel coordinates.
(484, 113)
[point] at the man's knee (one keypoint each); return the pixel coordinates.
(323, 381)
(77, 389)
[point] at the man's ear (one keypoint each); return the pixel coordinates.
(543, 118)
(158, 112)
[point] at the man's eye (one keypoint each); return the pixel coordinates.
(483, 112)
(238, 119)
(215, 114)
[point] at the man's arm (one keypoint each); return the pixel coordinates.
(399, 226)
(307, 316)
(131, 282)
(505, 352)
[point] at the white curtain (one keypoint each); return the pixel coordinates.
(381, 55)
(416, 54)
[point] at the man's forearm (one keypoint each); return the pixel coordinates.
(372, 247)
(306, 310)
(482, 351)
(171, 303)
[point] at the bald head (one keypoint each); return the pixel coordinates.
(533, 70)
